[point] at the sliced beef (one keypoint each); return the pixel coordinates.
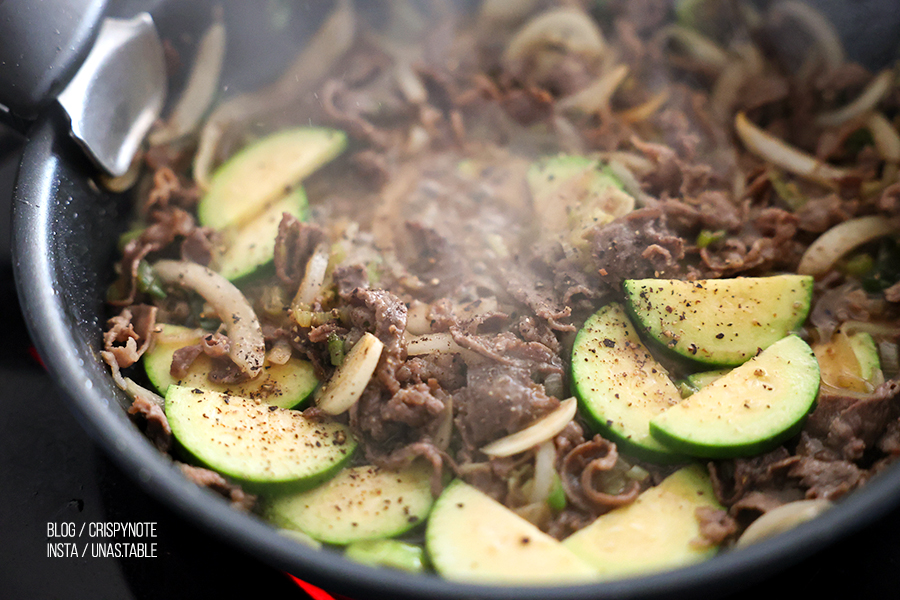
(156, 426)
(240, 499)
(294, 245)
(129, 334)
(585, 473)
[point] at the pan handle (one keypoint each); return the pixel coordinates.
(42, 45)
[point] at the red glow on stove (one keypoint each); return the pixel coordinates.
(314, 592)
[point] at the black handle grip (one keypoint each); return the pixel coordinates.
(42, 45)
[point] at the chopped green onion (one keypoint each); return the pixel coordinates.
(148, 282)
(707, 237)
(335, 349)
(557, 498)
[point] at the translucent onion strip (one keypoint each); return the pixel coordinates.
(134, 390)
(885, 136)
(874, 93)
(200, 90)
(567, 28)
(697, 45)
(770, 148)
(596, 96)
(352, 377)
(781, 519)
(542, 484)
(821, 256)
(541, 430)
(313, 278)
(248, 348)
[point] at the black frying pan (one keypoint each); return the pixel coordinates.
(64, 234)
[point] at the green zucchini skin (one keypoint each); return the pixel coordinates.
(358, 504)
(751, 410)
(265, 448)
(620, 386)
(289, 385)
(264, 171)
(718, 322)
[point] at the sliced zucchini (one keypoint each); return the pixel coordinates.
(719, 321)
(695, 381)
(657, 532)
(620, 386)
(251, 246)
(751, 410)
(285, 386)
(573, 193)
(360, 503)
(392, 554)
(850, 361)
(472, 537)
(260, 445)
(262, 172)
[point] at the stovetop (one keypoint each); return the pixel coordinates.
(51, 474)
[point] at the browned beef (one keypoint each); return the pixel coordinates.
(294, 245)
(156, 426)
(849, 426)
(240, 499)
(586, 472)
(716, 526)
(166, 225)
(827, 479)
(128, 334)
(349, 278)
(636, 246)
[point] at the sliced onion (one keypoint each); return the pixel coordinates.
(874, 93)
(890, 358)
(203, 82)
(434, 343)
(280, 353)
(248, 348)
(817, 25)
(444, 431)
(352, 377)
(134, 390)
(567, 28)
(770, 148)
(781, 519)
(596, 96)
(313, 277)
(886, 138)
(841, 239)
(541, 430)
(542, 484)
(417, 321)
(873, 328)
(697, 45)
(644, 111)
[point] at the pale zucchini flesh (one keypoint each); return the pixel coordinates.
(286, 386)
(251, 246)
(659, 531)
(262, 172)
(360, 503)
(473, 538)
(719, 321)
(620, 386)
(750, 410)
(260, 445)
